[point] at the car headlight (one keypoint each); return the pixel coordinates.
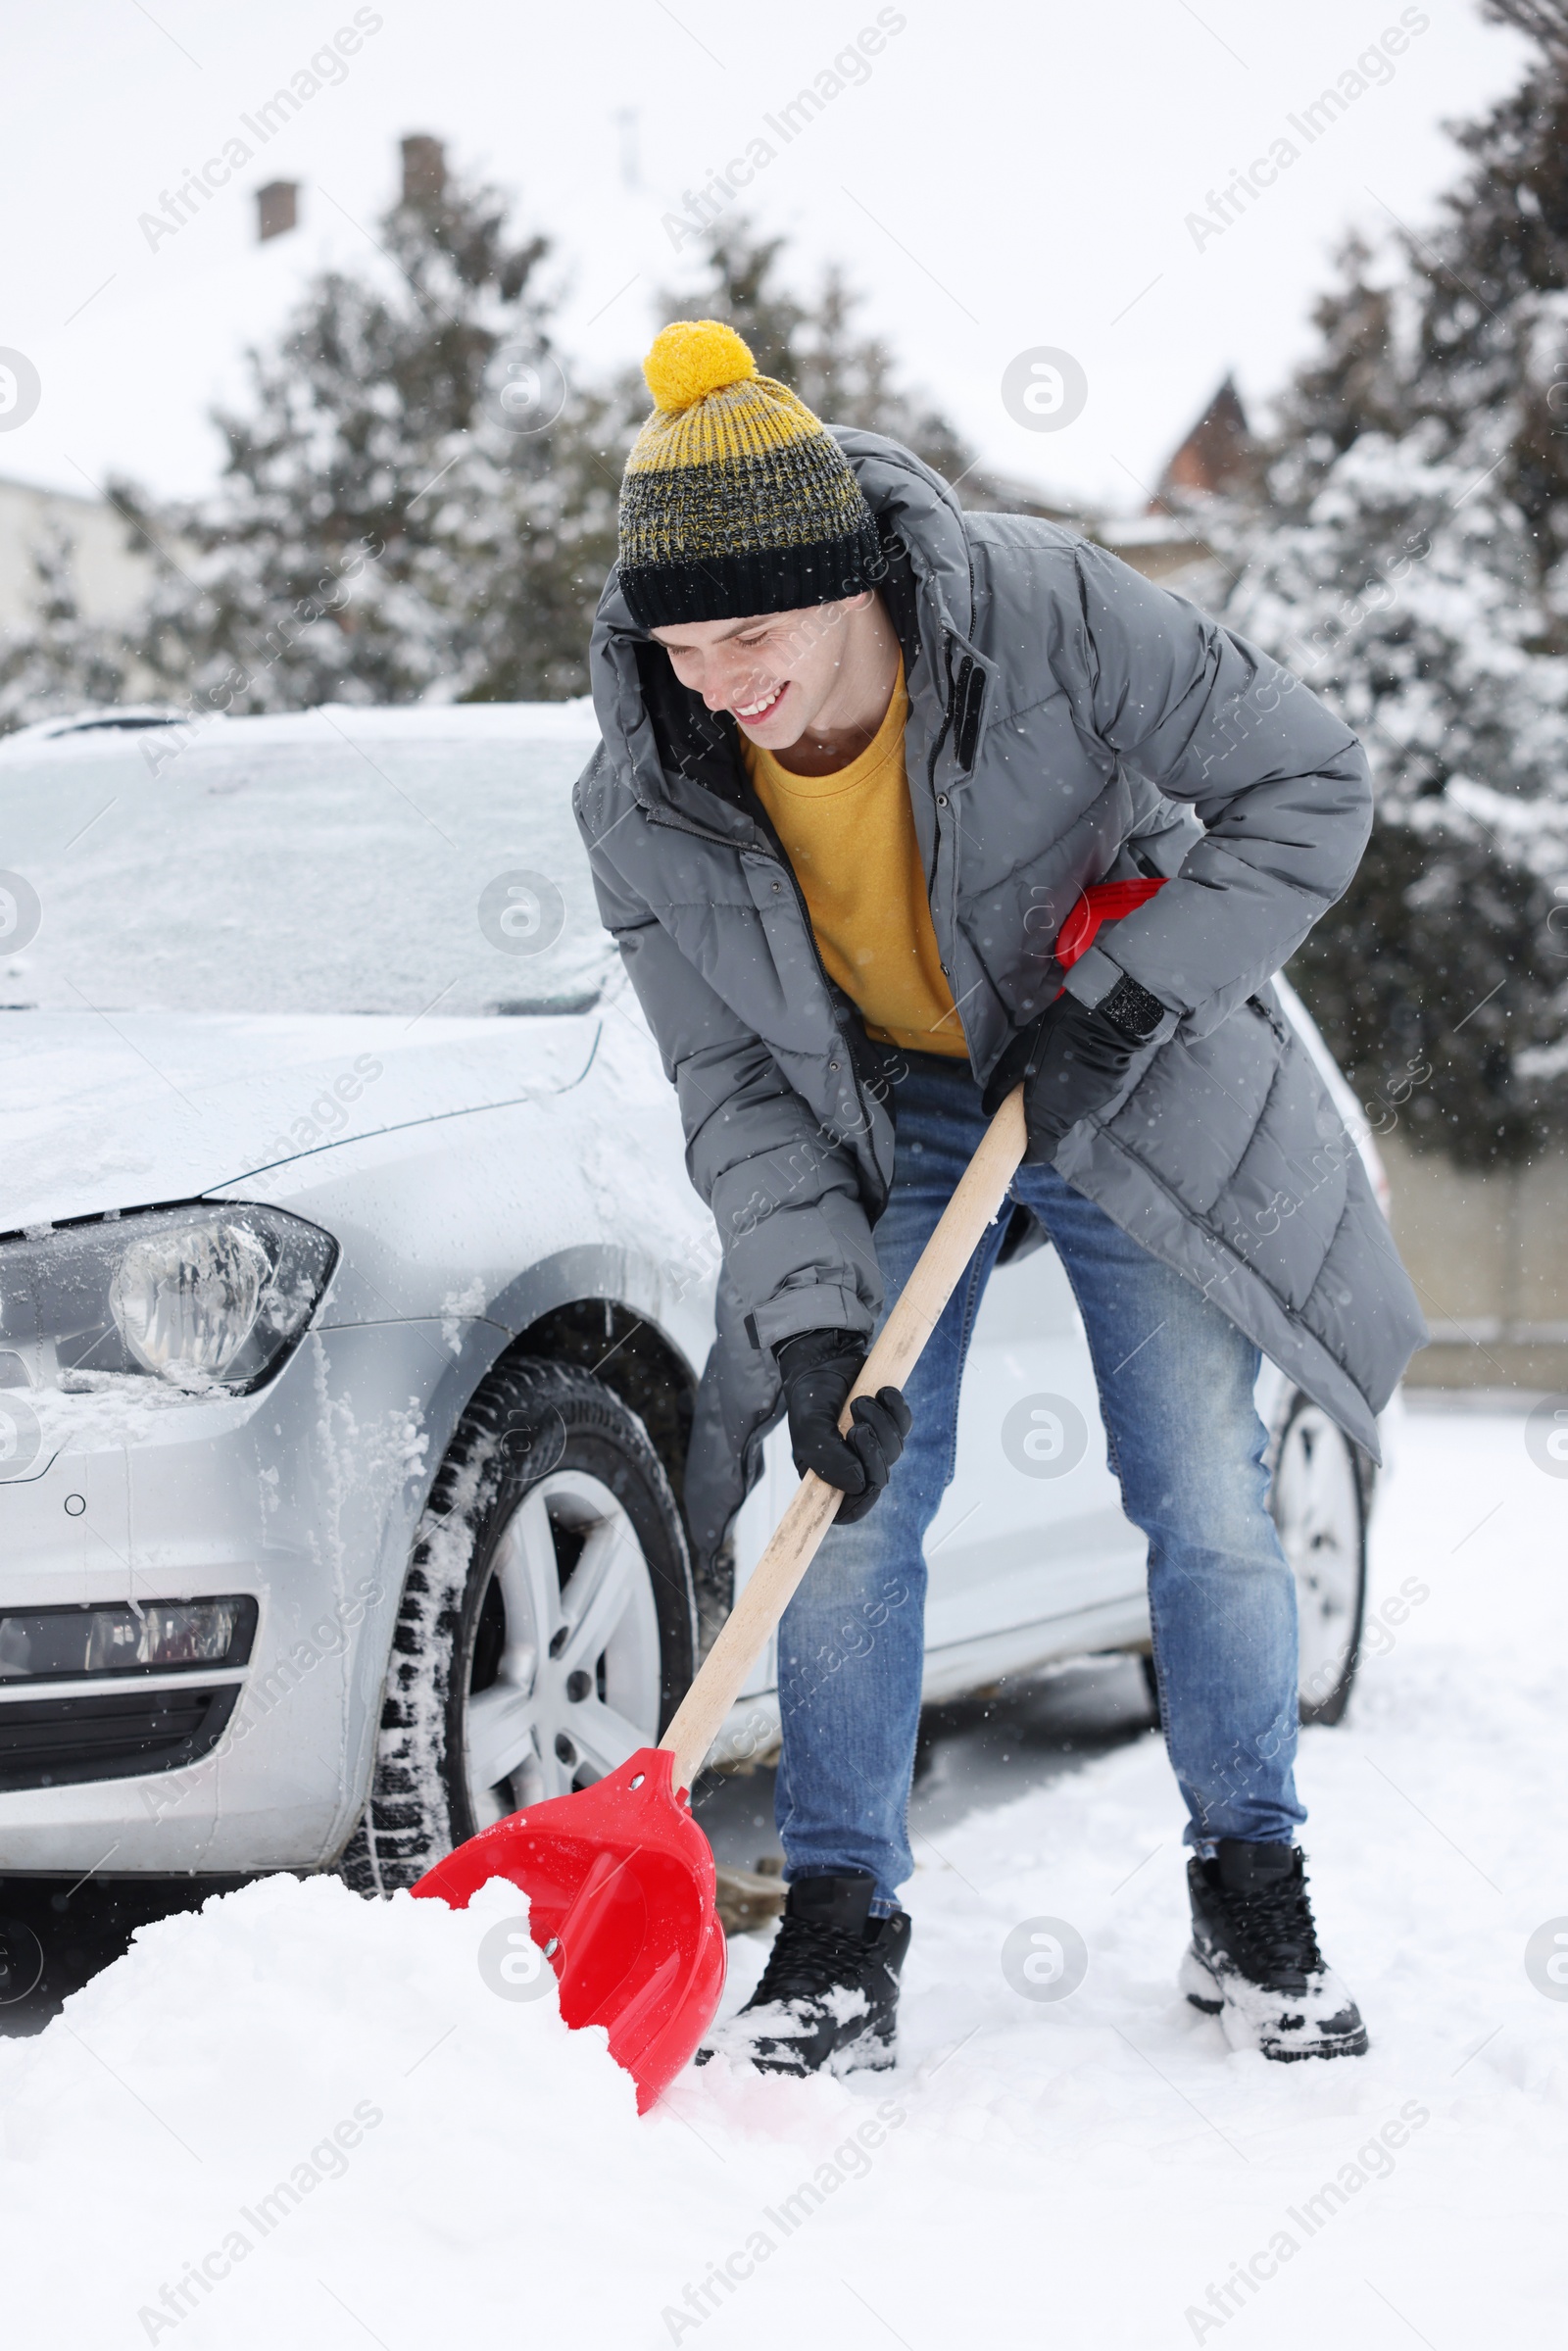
(204, 1297)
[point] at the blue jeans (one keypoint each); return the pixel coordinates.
(1175, 1380)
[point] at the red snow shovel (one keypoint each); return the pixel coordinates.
(618, 1876)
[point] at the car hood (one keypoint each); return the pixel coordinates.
(119, 1111)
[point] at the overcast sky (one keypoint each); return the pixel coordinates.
(999, 177)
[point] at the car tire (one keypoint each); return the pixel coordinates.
(548, 1624)
(1319, 1493)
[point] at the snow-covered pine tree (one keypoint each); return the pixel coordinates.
(1411, 564)
(58, 661)
(402, 514)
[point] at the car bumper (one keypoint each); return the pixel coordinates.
(305, 1496)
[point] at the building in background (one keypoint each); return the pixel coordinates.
(1219, 460)
(112, 580)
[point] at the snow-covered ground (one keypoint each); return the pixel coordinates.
(298, 2119)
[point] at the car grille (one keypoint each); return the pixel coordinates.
(108, 1734)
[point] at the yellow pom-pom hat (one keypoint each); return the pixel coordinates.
(736, 499)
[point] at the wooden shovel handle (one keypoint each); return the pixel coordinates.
(981, 1191)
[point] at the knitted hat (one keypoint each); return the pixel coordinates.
(735, 499)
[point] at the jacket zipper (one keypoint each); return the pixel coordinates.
(935, 753)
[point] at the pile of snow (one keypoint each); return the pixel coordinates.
(300, 2118)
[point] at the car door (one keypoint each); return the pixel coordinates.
(1031, 1530)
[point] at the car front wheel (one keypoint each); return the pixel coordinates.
(548, 1624)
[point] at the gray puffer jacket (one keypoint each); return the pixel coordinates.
(1069, 723)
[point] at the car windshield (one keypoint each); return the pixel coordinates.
(339, 861)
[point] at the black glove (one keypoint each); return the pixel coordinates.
(819, 1368)
(1080, 1059)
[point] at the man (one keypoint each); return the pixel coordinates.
(863, 755)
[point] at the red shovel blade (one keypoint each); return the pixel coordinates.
(619, 1881)
(1102, 902)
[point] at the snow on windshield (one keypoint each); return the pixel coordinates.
(300, 869)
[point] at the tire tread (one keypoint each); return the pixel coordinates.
(406, 1824)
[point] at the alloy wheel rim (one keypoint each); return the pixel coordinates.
(577, 1687)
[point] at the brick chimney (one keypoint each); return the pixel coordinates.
(278, 208)
(424, 169)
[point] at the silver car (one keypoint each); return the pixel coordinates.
(352, 1303)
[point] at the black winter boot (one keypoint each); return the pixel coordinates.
(1254, 1961)
(829, 1994)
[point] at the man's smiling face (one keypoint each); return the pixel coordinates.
(778, 674)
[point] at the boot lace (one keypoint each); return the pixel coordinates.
(1278, 1926)
(807, 1958)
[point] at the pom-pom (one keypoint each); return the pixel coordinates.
(691, 358)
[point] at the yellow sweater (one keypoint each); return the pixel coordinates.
(851, 839)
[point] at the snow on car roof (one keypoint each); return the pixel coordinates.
(421, 722)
